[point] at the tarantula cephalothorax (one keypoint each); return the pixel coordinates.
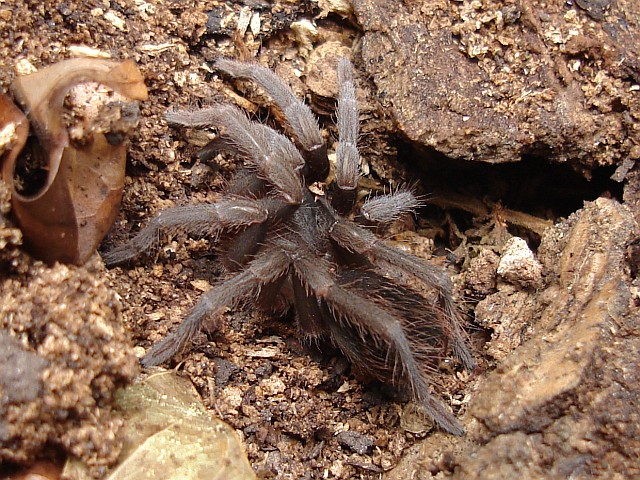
(279, 241)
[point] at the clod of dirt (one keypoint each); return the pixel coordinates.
(322, 79)
(595, 8)
(479, 278)
(507, 314)
(60, 325)
(10, 237)
(356, 442)
(545, 78)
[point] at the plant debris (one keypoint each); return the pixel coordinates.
(66, 181)
(168, 434)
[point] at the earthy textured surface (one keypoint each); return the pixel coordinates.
(287, 406)
(563, 400)
(566, 402)
(64, 354)
(555, 391)
(493, 81)
(10, 237)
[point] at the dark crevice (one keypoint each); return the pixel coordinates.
(533, 185)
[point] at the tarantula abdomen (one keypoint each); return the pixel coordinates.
(277, 239)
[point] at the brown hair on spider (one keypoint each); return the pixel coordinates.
(281, 241)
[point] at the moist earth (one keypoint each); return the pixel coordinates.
(517, 121)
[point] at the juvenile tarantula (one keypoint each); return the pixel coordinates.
(280, 241)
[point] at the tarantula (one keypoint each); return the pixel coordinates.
(281, 242)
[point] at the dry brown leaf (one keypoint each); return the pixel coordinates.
(66, 213)
(170, 435)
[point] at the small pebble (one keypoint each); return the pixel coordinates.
(519, 266)
(356, 442)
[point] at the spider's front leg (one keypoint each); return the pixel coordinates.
(267, 268)
(272, 154)
(303, 123)
(347, 169)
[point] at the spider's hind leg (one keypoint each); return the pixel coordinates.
(370, 336)
(402, 268)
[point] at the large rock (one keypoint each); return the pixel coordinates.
(493, 81)
(564, 402)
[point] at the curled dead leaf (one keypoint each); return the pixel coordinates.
(66, 181)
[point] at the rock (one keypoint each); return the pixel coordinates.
(493, 82)
(21, 376)
(563, 399)
(509, 315)
(480, 278)
(355, 441)
(565, 402)
(519, 266)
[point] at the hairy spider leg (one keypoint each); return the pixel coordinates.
(239, 249)
(369, 320)
(347, 168)
(303, 123)
(268, 267)
(206, 218)
(385, 209)
(311, 320)
(357, 239)
(300, 252)
(273, 155)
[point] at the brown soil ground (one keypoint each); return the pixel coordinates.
(300, 412)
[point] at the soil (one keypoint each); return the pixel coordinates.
(519, 123)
